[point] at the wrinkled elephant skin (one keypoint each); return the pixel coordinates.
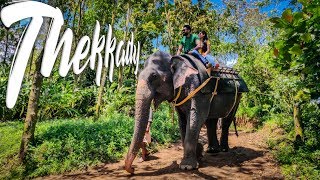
(159, 81)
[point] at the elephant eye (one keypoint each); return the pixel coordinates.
(154, 75)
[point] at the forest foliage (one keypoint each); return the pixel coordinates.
(277, 53)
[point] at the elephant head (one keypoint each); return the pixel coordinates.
(157, 81)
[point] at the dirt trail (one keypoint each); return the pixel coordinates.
(248, 158)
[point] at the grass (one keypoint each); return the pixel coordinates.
(297, 161)
(10, 137)
(70, 144)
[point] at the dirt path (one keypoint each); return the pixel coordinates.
(247, 159)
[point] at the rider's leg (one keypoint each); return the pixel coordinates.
(210, 59)
(196, 54)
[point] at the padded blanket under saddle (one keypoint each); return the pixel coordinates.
(229, 81)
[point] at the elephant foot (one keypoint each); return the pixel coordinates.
(199, 150)
(212, 150)
(225, 148)
(188, 164)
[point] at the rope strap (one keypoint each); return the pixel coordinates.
(174, 102)
(192, 93)
(215, 89)
(178, 95)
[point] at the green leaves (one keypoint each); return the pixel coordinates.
(279, 44)
(287, 15)
(297, 54)
(279, 22)
(275, 20)
(303, 2)
(296, 50)
(307, 37)
(149, 27)
(285, 20)
(302, 95)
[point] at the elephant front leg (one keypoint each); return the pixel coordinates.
(213, 143)
(190, 160)
(193, 127)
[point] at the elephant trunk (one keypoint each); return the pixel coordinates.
(144, 96)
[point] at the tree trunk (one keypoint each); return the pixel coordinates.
(131, 68)
(120, 80)
(76, 40)
(167, 12)
(31, 118)
(32, 111)
(31, 60)
(103, 79)
(297, 122)
(7, 44)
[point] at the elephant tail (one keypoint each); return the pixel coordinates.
(235, 126)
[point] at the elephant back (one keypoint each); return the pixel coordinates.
(202, 72)
(229, 82)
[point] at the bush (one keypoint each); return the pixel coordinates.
(299, 160)
(19, 110)
(65, 145)
(121, 100)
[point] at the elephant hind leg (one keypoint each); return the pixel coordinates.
(225, 133)
(226, 122)
(213, 143)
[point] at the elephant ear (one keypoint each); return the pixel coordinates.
(181, 69)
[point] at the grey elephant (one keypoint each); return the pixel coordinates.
(160, 80)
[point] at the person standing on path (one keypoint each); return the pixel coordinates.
(146, 139)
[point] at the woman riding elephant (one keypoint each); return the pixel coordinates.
(203, 50)
(160, 81)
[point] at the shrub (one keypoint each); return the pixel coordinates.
(65, 145)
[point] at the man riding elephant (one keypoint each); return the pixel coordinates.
(188, 42)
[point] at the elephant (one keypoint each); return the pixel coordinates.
(159, 81)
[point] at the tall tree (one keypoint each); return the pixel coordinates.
(32, 111)
(297, 52)
(104, 73)
(126, 32)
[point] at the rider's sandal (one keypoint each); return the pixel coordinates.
(215, 68)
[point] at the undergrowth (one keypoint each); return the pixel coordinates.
(298, 160)
(72, 144)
